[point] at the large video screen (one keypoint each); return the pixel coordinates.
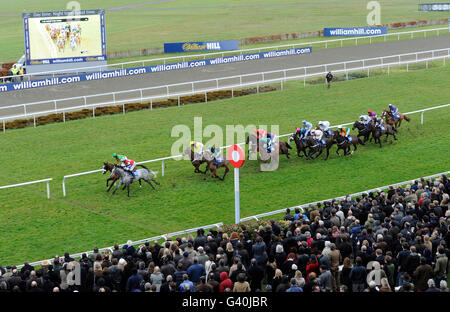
(64, 37)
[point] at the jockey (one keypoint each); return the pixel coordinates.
(197, 149)
(270, 139)
(372, 115)
(324, 125)
(365, 119)
(393, 110)
(129, 165)
(119, 158)
(345, 132)
(216, 153)
(317, 135)
(379, 124)
(259, 133)
(306, 129)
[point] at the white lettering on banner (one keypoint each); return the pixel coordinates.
(153, 69)
(213, 46)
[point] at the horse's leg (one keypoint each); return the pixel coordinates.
(148, 181)
(112, 184)
(128, 188)
(120, 183)
(154, 181)
(226, 171)
(328, 153)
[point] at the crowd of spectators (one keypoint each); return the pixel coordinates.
(395, 241)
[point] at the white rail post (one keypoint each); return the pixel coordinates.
(206, 97)
(4, 128)
(48, 189)
(162, 167)
(151, 104)
(114, 98)
(123, 108)
(34, 120)
(64, 186)
(141, 96)
(281, 85)
(56, 107)
(178, 100)
(64, 116)
(421, 118)
(388, 69)
(93, 112)
(232, 89)
(407, 67)
(25, 109)
(342, 42)
(85, 101)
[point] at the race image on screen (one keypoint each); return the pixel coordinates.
(74, 38)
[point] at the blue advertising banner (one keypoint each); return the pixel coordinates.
(354, 31)
(15, 86)
(64, 37)
(201, 46)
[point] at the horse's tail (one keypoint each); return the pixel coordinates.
(288, 146)
(394, 129)
(407, 118)
(150, 171)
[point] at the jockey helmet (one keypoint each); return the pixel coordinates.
(192, 142)
(298, 129)
(114, 155)
(304, 122)
(390, 105)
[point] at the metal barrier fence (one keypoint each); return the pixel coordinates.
(34, 109)
(225, 147)
(142, 241)
(29, 183)
(267, 214)
(183, 58)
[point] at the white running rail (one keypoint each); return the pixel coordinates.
(29, 183)
(33, 109)
(224, 147)
(183, 58)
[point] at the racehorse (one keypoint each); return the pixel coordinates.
(301, 144)
(362, 130)
(344, 145)
(126, 179)
(211, 166)
(377, 134)
(195, 161)
(281, 147)
(108, 167)
(390, 120)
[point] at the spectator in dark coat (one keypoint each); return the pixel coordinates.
(195, 271)
(256, 275)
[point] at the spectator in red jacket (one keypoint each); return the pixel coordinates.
(225, 282)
